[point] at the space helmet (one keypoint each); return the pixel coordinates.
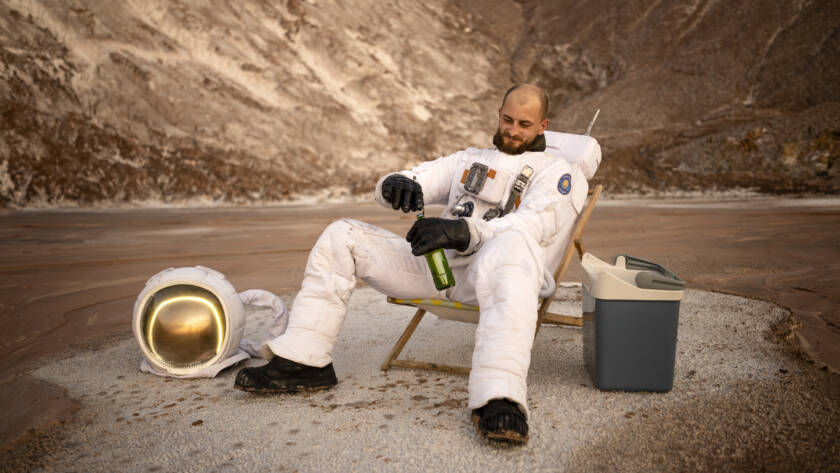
(187, 320)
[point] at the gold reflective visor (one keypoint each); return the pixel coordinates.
(184, 326)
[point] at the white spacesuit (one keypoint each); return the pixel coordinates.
(507, 265)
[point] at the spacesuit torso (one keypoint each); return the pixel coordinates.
(555, 193)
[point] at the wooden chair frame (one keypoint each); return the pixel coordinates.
(543, 316)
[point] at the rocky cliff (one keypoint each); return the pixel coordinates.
(107, 103)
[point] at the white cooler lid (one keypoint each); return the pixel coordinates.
(615, 282)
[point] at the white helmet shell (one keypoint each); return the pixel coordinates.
(187, 319)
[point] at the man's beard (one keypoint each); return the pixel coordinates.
(537, 144)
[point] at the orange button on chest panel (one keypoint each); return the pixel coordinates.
(464, 176)
(491, 174)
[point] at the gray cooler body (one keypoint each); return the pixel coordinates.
(630, 324)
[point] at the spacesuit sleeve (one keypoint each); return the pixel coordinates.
(546, 212)
(435, 178)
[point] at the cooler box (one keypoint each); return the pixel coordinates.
(630, 315)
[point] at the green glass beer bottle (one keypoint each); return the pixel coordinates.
(439, 266)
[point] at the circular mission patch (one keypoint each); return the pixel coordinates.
(564, 185)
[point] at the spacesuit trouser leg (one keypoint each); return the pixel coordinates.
(347, 249)
(506, 275)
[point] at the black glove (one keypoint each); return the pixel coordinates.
(429, 234)
(403, 192)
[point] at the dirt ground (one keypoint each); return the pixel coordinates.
(69, 278)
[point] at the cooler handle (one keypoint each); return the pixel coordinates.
(653, 275)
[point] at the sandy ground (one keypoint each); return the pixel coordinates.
(417, 421)
(68, 280)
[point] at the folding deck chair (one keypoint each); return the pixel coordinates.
(453, 310)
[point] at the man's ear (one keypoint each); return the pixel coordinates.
(543, 126)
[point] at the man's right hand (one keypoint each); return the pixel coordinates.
(403, 193)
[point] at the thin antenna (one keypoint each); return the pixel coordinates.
(593, 121)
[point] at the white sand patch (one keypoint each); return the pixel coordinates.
(401, 420)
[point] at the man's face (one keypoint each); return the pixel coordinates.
(519, 122)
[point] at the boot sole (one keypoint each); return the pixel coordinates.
(295, 389)
(508, 436)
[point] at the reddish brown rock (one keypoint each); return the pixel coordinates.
(247, 102)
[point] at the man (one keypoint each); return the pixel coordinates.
(502, 248)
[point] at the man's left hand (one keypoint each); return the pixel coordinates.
(431, 233)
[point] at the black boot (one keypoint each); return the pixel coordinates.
(280, 375)
(501, 420)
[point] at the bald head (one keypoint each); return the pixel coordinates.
(522, 93)
(522, 118)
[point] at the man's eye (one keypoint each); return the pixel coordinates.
(507, 119)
